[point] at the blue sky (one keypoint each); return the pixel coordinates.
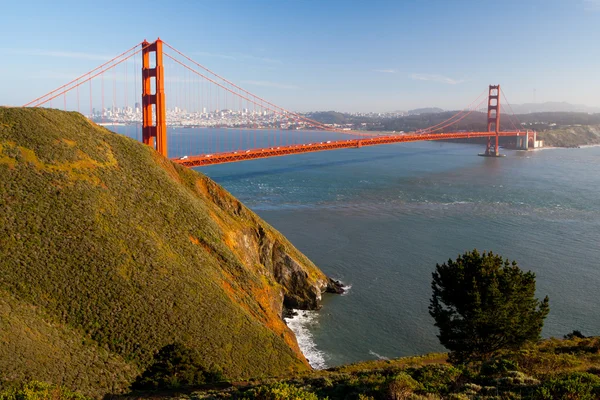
(323, 55)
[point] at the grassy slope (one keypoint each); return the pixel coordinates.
(571, 136)
(531, 373)
(109, 252)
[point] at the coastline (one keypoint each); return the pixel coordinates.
(583, 146)
(302, 322)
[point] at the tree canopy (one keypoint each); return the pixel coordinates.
(175, 366)
(482, 304)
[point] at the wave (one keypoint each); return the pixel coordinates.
(346, 289)
(345, 286)
(379, 356)
(300, 323)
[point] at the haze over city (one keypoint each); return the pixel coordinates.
(371, 56)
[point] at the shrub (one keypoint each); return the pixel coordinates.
(436, 378)
(175, 366)
(280, 391)
(574, 334)
(401, 387)
(573, 386)
(35, 390)
(498, 366)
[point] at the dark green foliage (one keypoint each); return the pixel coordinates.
(280, 391)
(498, 366)
(108, 252)
(575, 334)
(436, 378)
(482, 304)
(573, 386)
(34, 390)
(175, 366)
(401, 386)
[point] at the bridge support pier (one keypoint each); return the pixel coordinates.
(523, 142)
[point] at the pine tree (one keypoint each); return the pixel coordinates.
(482, 304)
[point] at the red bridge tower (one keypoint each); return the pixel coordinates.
(493, 120)
(154, 126)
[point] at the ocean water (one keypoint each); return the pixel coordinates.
(379, 219)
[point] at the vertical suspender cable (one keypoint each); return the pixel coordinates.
(78, 108)
(91, 102)
(102, 111)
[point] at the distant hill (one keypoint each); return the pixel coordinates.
(334, 117)
(529, 108)
(330, 117)
(571, 136)
(108, 252)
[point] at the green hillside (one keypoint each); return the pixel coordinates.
(571, 136)
(109, 252)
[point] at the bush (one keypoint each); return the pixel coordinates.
(175, 366)
(575, 334)
(498, 366)
(35, 390)
(573, 386)
(436, 378)
(401, 387)
(280, 391)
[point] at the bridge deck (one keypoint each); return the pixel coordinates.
(253, 154)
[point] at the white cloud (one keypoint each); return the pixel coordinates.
(55, 53)
(436, 78)
(270, 84)
(386, 71)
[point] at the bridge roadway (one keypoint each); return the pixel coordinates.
(253, 154)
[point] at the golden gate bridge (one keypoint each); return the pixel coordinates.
(263, 129)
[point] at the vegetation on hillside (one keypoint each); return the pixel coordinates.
(111, 252)
(483, 304)
(35, 390)
(175, 366)
(572, 136)
(550, 369)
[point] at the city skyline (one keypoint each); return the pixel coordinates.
(308, 56)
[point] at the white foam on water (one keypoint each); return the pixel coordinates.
(379, 356)
(346, 288)
(300, 324)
